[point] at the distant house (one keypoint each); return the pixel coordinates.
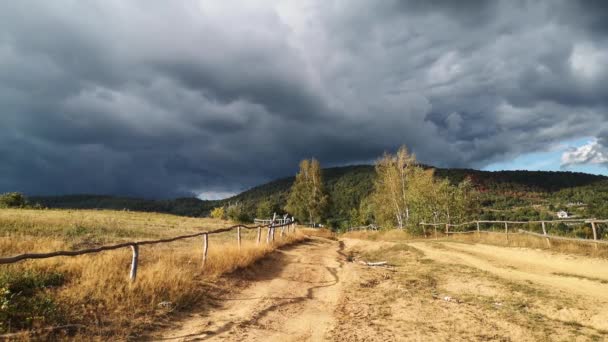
(562, 214)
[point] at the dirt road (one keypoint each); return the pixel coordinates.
(440, 291)
(291, 298)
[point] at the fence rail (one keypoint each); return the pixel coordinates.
(134, 245)
(592, 222)
(368, 227)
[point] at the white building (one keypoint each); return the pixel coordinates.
(562, 214)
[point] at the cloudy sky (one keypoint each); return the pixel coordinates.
(168, 98)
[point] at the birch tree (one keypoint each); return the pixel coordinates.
(405, 194)
(307, 198)
(390, 194)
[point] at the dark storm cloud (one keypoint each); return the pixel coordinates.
(169, 98)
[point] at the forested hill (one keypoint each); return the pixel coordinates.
(347, 186)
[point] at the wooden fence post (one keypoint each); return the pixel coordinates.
(205, 247)
(238, 236)
(268, 234)
(259, 235)
(507, 230)
(447, 229)
(478, 230)
(594, 228)
(133, 274)
(545, 233)
(435, 226)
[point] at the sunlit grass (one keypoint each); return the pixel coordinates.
(95, 289)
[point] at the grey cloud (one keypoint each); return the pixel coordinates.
(164, 99)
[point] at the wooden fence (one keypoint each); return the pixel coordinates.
(134, 245)
(277, 221)
(368, 227)
(476, 224)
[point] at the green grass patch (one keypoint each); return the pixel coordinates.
(26, 301)
(563, 274)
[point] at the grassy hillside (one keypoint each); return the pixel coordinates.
(505, 194)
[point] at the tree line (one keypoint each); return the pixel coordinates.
(404, 194)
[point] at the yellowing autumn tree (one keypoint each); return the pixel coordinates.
(406, 194)
(308, 200)
(390, 187)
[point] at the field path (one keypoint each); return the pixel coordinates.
(556, 272)
(430, 291)
(292, 297)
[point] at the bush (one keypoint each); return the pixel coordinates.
(237, 213)
(25, 301)
(13, 200)
(265, 210)
(218, 213)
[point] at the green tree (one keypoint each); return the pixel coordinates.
(265, 210)
(13, 200)
(307, 199)
(236, 212)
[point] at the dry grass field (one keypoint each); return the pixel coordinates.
(94, 290)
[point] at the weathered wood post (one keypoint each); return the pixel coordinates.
(268, 234)
(447, 229)
(238, 236)
(478, 230)
(545, 233)
(133, 274)
(507, 230)
(284, 225)
(274, 219)
(594, 228)
(259, 234)
(205, 247)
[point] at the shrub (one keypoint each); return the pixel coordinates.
(218, 213)
(237, 213)
(13, 200)
(264, 210)
(25, 301)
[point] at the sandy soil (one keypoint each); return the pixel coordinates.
(291, 298)
(431, 291)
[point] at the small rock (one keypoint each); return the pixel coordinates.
(165, 304)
